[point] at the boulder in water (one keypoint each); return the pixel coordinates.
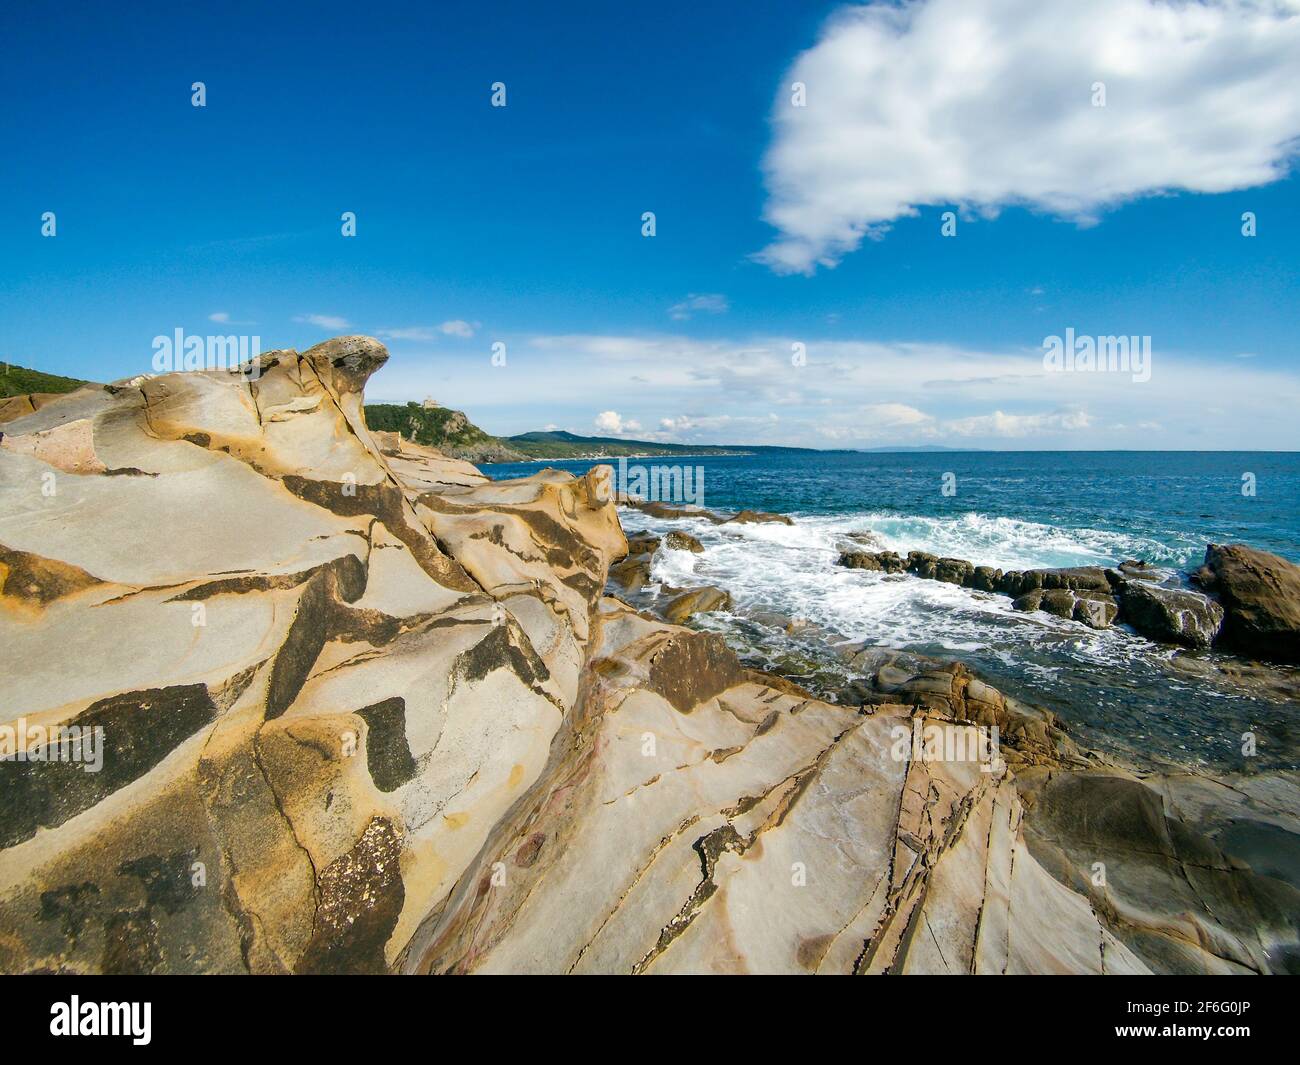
(695, 601)
(1260, 594)
(1170, 614)
(680, 541)
(755, 516)
(1097, 610)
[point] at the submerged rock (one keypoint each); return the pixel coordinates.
(670, 511)
(757, 516)
(880, 561)
(1097, 610)
(642, 543)
(1074, 578)
(632, 573)
(1080, 593)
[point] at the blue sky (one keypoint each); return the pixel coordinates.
(522, 224)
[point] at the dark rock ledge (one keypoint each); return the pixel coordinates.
(1253, 608)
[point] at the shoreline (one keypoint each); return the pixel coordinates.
(1157, 616)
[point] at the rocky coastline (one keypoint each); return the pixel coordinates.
(365, 710)
(1251, 601)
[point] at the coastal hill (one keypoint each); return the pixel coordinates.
(432, 425)
(392, 719)
(20, 381)
(452, 433)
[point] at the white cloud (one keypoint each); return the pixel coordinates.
(414, 332)
(858, 393)
(895, 415)
(610, 421)
(219, 316)
(998, 424)
(324, 321)
(456, 328)
(711, 303)
(981, 104)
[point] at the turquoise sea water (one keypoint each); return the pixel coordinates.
(1014, 510)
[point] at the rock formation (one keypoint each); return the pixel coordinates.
(1171, 615)
(658, 509)
(322, 673)
(363, 710)
(682, 541)
(449, 431)
(1096, 597)
(1260, 594)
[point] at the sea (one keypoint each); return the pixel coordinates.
(1147, 703)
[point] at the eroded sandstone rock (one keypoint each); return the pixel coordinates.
(364, 710)
(1172, 893)
(323, 671)
(736, 827)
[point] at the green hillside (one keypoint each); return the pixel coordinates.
(447, 430)
(19, 381)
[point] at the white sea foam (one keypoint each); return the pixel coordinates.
(791, 570)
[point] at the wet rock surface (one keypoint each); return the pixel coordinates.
(1171, 615)
(1260, 594)
(681, 541)
(1099, 597)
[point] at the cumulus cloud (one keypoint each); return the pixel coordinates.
(709, 303)
(324, 321)
(689, 424)
(982, 104)
(998, 424)
(610, 421)
(895, 415)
